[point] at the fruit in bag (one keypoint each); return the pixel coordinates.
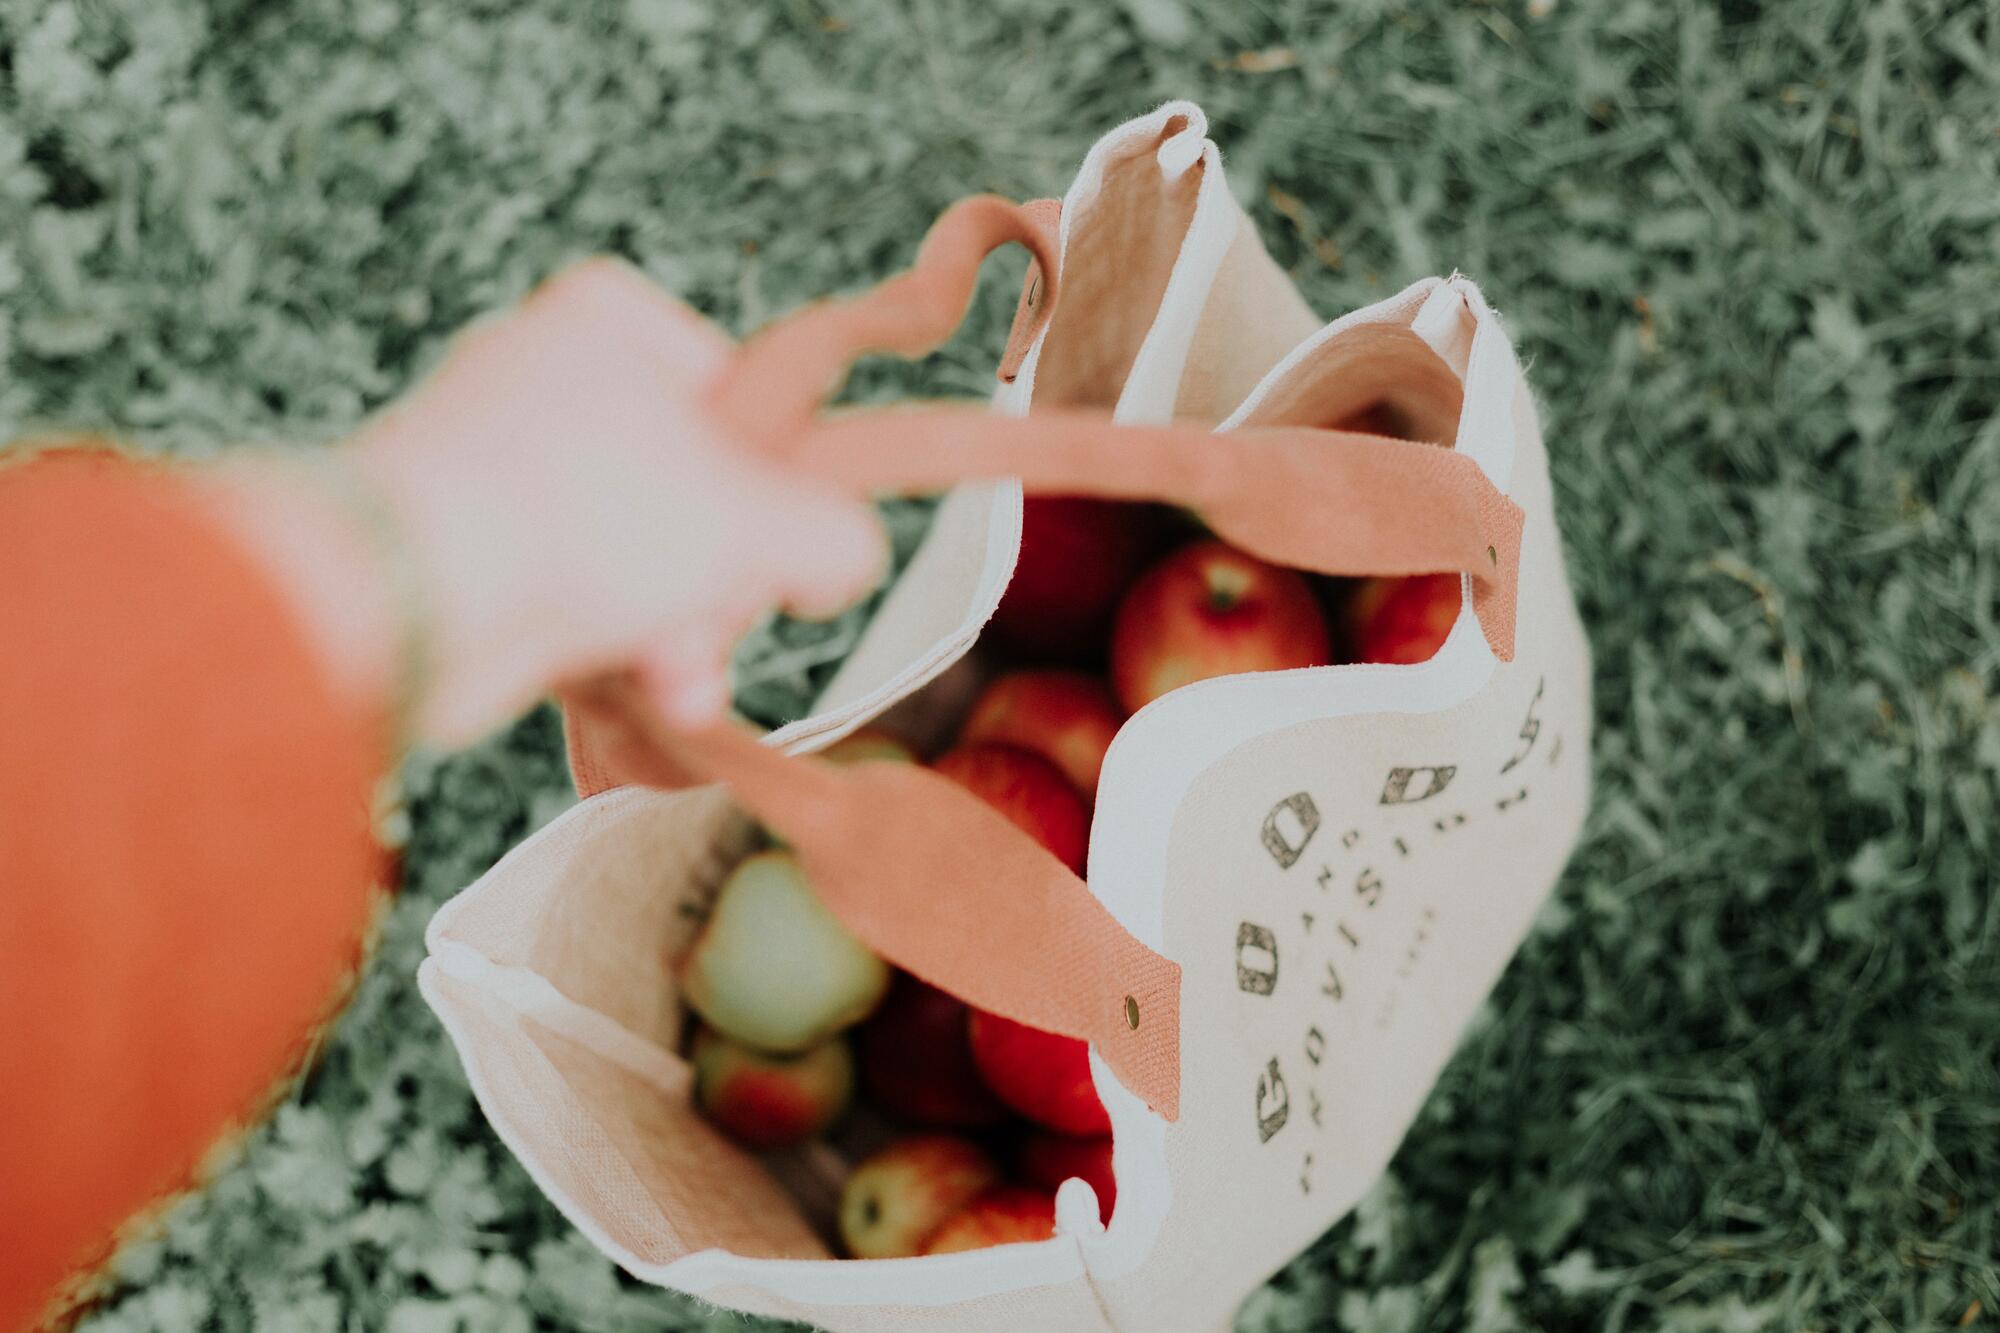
(1044, 1076)
(895, 1201)
(1010, 1215)
(1210, 610)
(770, 1101)
(773, 968)
(916, 1060)
(1077, 556)
(1066, 717)
(1030, 791)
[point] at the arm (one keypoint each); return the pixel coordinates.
(198, 672)
(186, 870)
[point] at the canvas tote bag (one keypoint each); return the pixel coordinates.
(1301, 884)
(1171, 310)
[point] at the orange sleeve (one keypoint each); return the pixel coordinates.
(187, 874)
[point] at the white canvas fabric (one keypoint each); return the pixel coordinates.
(1340, 859)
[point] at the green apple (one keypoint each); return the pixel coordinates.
(868, 745)
(773, 968)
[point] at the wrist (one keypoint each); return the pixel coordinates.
(461, 547)
(311, 523)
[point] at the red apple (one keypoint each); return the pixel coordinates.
(770, 1101)
(896, 1200)
(1009, 1215)
(1402, 620)
(1077, 556)
(1065, 717)
(1210, 610)
(1048, 1160)
(1030, 791)
(1043, 1076)
(916, 1059)
(869, 743)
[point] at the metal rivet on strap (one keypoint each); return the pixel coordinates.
(1131, 1013)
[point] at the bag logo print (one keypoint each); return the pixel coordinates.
(1347, 897)
(1251, 975)
(1396, 791)
(1530, 729)
(1304, 815)
(1271, 1085)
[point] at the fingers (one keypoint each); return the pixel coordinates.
(608, 745)
(820, 552)
(686, 676)
(825, 553)
(616, 303)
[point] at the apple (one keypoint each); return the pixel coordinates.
(1210, 610)
(1066, 717)
(1030, 791)
(770, 1101)
(1402, 620)
(1009, 1215)
(1077, 556)
(1048, 1160)
(916, 1059)
(866, 744)
(1044, 1076)
(772, 967)
(896, 1200)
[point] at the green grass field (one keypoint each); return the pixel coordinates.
(1744, 1075)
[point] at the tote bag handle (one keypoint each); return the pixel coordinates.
(919, 869)
(1332, 502)
(937, 882)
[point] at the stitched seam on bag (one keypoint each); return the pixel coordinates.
(528, 992)
(1185, 287)
(1096, 1292)
(940, 657)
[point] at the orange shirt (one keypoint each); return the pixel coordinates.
(186, 867)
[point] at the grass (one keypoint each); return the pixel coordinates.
(1744, 1075)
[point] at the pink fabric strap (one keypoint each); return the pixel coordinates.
(1038, 292)
(1333, 502)
(770, 392)
(933, 879)
(778, 381)
(919, 869)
